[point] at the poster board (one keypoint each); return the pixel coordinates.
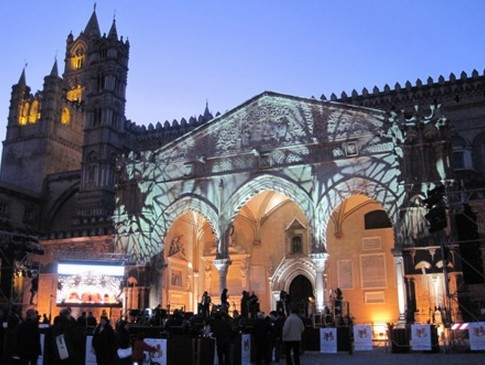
(245, 349)
(362, 337)
(328, 340)
(160, 356)
(421, 337)
(90, 356)
(476, 332)
(40, 359)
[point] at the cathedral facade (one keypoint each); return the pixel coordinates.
(377, 195)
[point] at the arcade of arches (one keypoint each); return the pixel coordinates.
(284, 192)
(269, 247)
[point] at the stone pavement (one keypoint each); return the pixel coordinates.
(379, 356)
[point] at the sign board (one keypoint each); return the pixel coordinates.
(328, 340)
(476, 332)
(90, 356)
(362, 337)
(40, 359)
(245, 349)
(160, 356)
(421, 337)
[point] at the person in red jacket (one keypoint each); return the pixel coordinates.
(139, 347)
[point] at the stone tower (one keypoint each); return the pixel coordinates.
(44, 134)
(96, 70)
(67, 135)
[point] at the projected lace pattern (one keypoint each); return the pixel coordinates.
(317, 153)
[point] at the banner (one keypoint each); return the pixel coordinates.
(90, 356)
(245, 349)
(476, 332)
(40, 359)
(328, 340)
(160, 356)
(362, 338)
(421, 337)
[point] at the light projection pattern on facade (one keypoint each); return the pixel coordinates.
(317, 153)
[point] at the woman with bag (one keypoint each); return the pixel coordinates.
(124, 351)
(68, 340)
(103, 342)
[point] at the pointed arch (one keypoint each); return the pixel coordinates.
(289, 270)
(337, 194)
(185, 204)
(262, 183)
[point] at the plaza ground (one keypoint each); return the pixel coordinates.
(379, 356)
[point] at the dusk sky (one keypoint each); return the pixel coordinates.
(184, 53)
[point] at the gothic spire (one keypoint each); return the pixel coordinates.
(207, 113)
(22, 78)
(113, 34)
(92, 28)
(54, 71)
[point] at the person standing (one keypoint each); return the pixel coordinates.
(224, 301)
(28, 339)
(91, 320)
(205, 304)
(66, 333)
(277, 321)
(103, 342)
(122, 341)
(13, 321)
(292, 331)
(245, 304)
(223, 330)
(261, 334)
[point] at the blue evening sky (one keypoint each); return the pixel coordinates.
(184, 53)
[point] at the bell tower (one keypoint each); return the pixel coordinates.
(97, 69)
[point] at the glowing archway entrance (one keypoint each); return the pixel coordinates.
(301, 290)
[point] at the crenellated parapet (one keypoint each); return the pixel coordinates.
(154, 136)
(431, 92)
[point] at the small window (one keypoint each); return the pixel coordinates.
(3, 208)
(458, 160)
(100, 82)
(103, 53)
(377, 219)
(65, 116)
(296, 245)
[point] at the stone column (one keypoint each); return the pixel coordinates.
(401, 289)
(196, 293)
(222, 265)
(320, 261)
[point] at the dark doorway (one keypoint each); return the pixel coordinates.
(300, 291)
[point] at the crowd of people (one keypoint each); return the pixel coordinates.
(65, 339)
(283, 326)
(122, 342)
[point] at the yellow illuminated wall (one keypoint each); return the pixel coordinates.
(362, 265)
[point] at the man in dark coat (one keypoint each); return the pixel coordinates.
(277, 321)
(28, 339)
(104, 342)
(224, 331)
(261, 336)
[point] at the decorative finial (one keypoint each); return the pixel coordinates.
(25, 64)
(94, 6)
(114, 15)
